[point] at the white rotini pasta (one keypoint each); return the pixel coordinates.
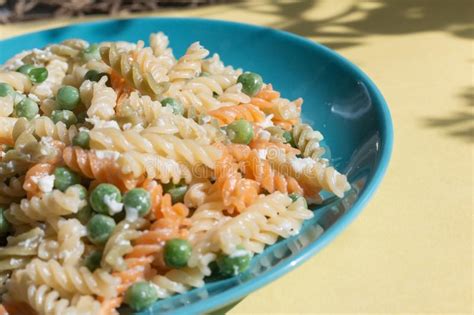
(262, 223)
(12, 190)
(20, 82)
(307, 141)
(312, 174)
(47, 301)
(6, 105)
(181, 150)
(189, 65)
(69, 48)
(233, 95)
(20, 249)
(119, 244)
(153, 166)
(103, 101)
(44, 127)
(70, 280)
(159, 44)
(50, 205)
(70, 246)
(128, 67)
(177, 281)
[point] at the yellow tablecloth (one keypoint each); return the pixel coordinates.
(410, 251)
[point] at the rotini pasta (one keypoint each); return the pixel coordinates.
(50, 205)
(128, 172)
(103, 101)
(181, 150)
(70, 280)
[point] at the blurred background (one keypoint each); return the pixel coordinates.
(411, 249)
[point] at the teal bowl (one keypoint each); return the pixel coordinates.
(340, 101)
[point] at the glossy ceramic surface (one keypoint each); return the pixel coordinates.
(340, 101)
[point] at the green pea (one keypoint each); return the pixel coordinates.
(140, 295)
(68, 97)
(65, 177)
(177, 192)
(106, 198)
(4, 224)
(6, 89)
(177, 253)
(26, 108)
(81, 139)
(231, 265)
(92, 261)
(175, 105)
(65, 116)
(92, 75)
(84, 214)
(99, 228)
(38, 75)
(137, 200)
(25, 69)
(251, 83)
(91, 53)
(240, 131)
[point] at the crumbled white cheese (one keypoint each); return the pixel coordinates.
(107, 154)
(131, 214)
(2, 154)
(18, 98)
(267, 122)
(45, 183)
(239, 253)
(113, 205)
(299, 165)
(206, 119)
(262, 153)
(84, 129)
(264, 135)
(99, 123)
(33, 97)
(127, 126)
(10, 165)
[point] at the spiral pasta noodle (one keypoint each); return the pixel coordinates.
(49, 205)
(133, 72)
(11, 191)
(262, 223)
(6, 105)
(188, 66)
(47, 301)
(143, 164)
(307, 140)
(182, 150)
(69, 280)
(20, 249)
(103, 102)
(17, 80)
(177, 281)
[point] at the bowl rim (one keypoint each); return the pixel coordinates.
(236, 293)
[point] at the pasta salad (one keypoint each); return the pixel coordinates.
(128, 175)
